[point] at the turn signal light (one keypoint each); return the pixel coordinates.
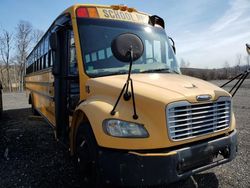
(93, 12)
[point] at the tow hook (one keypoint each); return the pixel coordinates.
(225, 152)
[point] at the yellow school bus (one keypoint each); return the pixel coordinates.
(106, 79)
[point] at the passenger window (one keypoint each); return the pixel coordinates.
(73, 85)
(73, 69)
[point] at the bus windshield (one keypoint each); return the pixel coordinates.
(96, 37)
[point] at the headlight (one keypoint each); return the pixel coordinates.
(124, 129)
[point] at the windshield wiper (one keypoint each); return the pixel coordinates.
(106, 73)
(156, 70)
(174, 71)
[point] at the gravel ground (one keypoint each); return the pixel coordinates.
(31, 157)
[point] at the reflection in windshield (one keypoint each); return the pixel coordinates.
(96, 37)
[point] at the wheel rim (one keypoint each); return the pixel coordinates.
(83, 158)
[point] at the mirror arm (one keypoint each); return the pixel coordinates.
(127, 95)
(135, 116)
(237, 85)
(117, 101)
(173, 44)
(248, 48)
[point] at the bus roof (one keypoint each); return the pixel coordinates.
(112, 12)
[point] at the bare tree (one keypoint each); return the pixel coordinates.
(23, 41)
(2, 74)
(184, 64)
(226, 72)
(5, 50)
(37, 35)
(238, 63)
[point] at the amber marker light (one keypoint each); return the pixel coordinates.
(93, 12)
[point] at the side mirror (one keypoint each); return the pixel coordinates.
(127, 46)
(248, 48)
(53, 41)
(156, 20)
(173, 44)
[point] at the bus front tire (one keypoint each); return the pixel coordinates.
(34, 111)
(86, 158)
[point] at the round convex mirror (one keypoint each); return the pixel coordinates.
(123, 44)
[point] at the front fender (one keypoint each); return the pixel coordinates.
(96, 111)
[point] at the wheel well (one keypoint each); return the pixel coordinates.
(30, 99)
(78, 117)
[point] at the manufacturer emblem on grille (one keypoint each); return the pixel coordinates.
(203, 97)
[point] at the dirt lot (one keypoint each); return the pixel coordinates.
(30, 156)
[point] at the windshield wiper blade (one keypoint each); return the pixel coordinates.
(156, 70)
(110, 73)
(174, 71)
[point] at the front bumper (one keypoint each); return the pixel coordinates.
(137, 169)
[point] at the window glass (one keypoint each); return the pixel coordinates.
(46, 44)
(39, 50)
(32, 57)
(46, 60)
(42, 47)
(51, 58)
(101, 54)
(157, 51)
(35, 54)
(73, 69)
(87, 58)
(93, 56)
(96, 35)
(149, 49)
(109, 52)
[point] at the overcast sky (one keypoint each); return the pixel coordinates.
(207, 32)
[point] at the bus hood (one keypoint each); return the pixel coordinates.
(165, 87)
(153, 92)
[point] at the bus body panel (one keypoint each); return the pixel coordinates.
(41, 89)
